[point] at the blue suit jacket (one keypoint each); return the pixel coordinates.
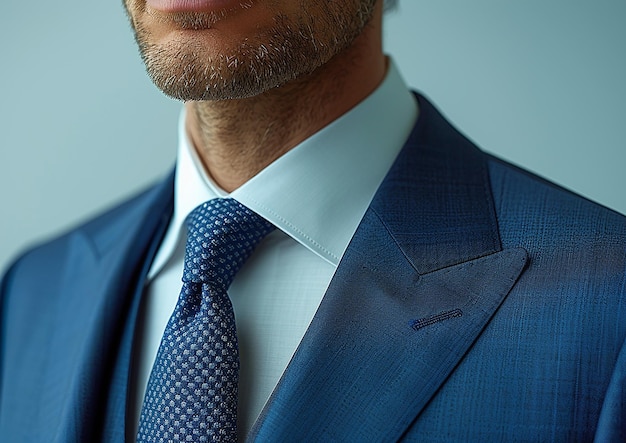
(476, 302)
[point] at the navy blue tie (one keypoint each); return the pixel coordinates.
(192, 391)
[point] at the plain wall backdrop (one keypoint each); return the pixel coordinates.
(540, 83)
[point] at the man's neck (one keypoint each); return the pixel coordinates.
(236, 139)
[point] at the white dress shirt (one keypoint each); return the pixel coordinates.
(316, 195)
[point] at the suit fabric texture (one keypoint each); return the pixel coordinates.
(475, 302)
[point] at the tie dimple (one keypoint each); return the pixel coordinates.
(192, 391)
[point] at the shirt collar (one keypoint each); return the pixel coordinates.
(317, 192)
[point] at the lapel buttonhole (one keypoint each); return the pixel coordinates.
(432, 319)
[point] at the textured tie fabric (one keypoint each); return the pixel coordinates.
(192, 390)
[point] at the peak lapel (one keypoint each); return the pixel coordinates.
(101, 274)
(420, 280)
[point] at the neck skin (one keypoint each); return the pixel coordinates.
(236, 139)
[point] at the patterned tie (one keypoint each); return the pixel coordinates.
(192, 391)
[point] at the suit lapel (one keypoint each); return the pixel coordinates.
(100, 300)
(420, 280)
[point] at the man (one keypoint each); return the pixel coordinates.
(414, 288)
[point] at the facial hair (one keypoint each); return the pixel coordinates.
(289, 49)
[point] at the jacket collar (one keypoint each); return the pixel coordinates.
(420, 280)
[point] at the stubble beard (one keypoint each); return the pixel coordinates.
(285, 52)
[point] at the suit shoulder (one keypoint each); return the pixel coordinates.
(552, 221)
(95, 232)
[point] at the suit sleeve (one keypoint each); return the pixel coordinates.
(4, 284)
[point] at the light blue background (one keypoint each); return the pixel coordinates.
(540, 83)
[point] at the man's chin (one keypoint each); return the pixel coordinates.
(189, 69)
(217, 79)
(192, 57)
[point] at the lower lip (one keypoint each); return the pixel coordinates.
(191, 5)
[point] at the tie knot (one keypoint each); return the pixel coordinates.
(222, 233)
